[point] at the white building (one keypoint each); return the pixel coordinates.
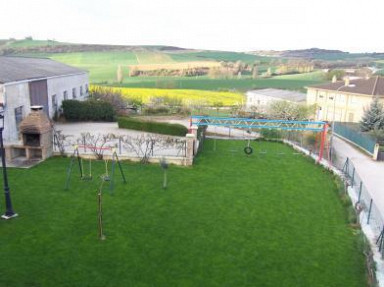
(260, 99)
(25, 82)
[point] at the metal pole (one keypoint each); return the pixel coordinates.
(100, 216)
(353, 177)
(9, 213)
(369, 211)
(323, 139)
(361, 188)
(333, 120)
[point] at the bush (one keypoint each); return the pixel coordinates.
(152, 127)
(90, 110)
(271, 134)
(157, 110)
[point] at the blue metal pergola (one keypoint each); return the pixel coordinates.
(248, 123)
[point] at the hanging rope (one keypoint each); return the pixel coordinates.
(89, 176)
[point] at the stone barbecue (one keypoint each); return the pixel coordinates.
(37, 134)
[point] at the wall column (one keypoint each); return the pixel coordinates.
(376, 151)
(190, 143)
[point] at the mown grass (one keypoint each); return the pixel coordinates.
(230, 220)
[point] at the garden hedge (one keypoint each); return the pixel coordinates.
(89, 110)
(152, 127)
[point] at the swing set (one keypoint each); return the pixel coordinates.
(87, 175)
(249, 124)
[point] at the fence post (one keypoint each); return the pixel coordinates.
(379, 240)
(360, 189)
(353, 177)
(369, 211)
(346, 165)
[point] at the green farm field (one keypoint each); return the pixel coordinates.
(268, 220)
(291, 82)
(102, 67)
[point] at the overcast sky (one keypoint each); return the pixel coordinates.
(237, 25)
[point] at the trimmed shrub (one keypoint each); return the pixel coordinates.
(271, 134)
(152, 127)
(90, 110)
(157, 110)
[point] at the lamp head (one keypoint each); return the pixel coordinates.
(2, 111)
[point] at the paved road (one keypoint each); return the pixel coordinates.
(371, 172)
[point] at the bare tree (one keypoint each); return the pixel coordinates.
(96, 143)
(149, 145)
(59, 140)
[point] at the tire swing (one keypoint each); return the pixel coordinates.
(248, 149)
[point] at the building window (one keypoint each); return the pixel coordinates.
(54, 103)
(74, 93)
(65, 95)
(81, 91)
(18, 116)
(86, 88)
(331, 98)
(350, 117)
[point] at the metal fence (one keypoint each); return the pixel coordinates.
(349, 132)
(365, 204)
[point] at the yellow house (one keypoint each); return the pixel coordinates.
(345, 101)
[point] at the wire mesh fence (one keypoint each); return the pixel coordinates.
(352, 133)
(365, 204)
(364, 199)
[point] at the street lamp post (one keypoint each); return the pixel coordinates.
(333, 119)
(9, 213)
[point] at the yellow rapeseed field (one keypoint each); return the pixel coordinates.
(187, 97)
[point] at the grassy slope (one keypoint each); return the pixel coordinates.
(153, 58)
(204, 83)
(221, 56)
(230, 220)
(30, 43)
(101, 65)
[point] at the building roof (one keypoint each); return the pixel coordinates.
(373, 86)
(280, 94)
(14, 69)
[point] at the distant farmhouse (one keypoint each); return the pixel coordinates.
(260, 99)
(345, 101)
(26, 82)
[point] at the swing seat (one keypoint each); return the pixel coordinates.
(248, 150)
(87, 178)
(105, 177)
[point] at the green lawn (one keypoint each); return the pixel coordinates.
(230, 220)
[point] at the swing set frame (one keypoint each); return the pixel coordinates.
(248, 123)
(88, 177)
